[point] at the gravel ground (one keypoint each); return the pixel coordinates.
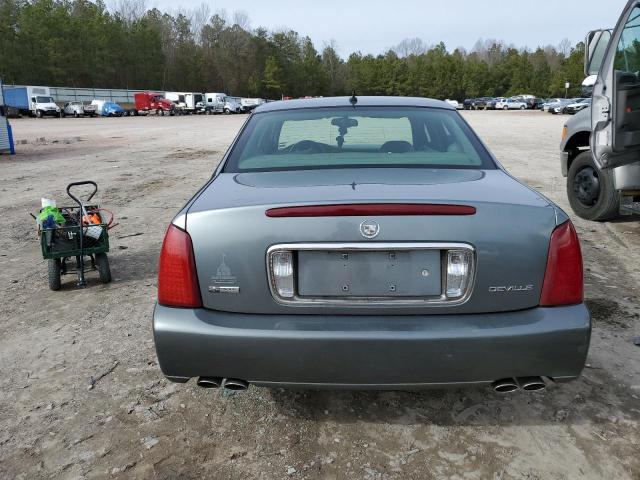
(81, 394)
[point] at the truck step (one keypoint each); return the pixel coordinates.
(630, 208)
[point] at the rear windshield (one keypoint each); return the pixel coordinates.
(362, 137)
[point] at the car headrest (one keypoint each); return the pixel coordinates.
(396, 146)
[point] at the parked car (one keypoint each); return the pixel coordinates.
(466, 104)
(558, 107)
(108, 109)
(389, 256)
(511, 104)
(491, 105)
(481, 103)
(552, 103)
(79, 109)
(575, 107)
(454, 103)
(537, 103)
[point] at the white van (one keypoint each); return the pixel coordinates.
(41, 102)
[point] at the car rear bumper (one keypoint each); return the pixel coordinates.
(372, 351)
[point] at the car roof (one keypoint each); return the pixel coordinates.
(326, 102)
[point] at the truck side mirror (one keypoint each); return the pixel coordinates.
(595, 46)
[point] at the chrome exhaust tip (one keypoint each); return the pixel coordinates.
(209, 382)
(234, 384)
(505, 385)
(531, 384)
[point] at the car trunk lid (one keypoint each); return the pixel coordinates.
(339, 269)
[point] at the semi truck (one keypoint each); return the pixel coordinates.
(214, 102)
(600, 148)
(34, 101)
(149, 102)
(232, 105)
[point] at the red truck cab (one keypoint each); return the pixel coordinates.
(148, 102)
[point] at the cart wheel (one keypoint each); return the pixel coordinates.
(54, 274)
(102, 262)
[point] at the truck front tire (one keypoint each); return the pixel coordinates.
(591, 191)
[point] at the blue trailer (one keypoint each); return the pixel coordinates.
(17, 98)
(6, 135)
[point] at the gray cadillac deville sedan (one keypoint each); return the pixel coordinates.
(369, 242)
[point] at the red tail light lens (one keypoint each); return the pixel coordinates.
(563, 281)
(378, 209)
(177, 277)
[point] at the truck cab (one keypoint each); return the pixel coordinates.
(600, 148)
(43, 105)
(148, 102)
(233, 105)
(214, 102)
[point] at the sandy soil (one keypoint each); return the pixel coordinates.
(81, 394)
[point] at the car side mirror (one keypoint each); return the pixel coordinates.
(595, 46)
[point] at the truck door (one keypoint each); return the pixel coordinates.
(615, 111)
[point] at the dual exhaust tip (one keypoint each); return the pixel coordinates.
(219, 382)
(505, 385)
(529, 384)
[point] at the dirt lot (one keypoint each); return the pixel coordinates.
(133, 423)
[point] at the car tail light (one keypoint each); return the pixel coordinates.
(458, 269)
(177, 277)
(563, 281)
(363, 209)
(282, 269)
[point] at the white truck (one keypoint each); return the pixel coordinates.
(186, 102)
(214, 102)
(614, 137)
(232, 105)
(35, 101)
(217, 102)
(249, 104)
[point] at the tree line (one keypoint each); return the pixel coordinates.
(83, 43)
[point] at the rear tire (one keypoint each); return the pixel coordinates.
(591, 191)
(102, 263)
(55, 281)
(505, 107)
(522, 107)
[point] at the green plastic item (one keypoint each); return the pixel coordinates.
(54, 212)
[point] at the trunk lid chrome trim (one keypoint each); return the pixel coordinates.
(442, 300)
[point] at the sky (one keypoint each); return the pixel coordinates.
(374, 26)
